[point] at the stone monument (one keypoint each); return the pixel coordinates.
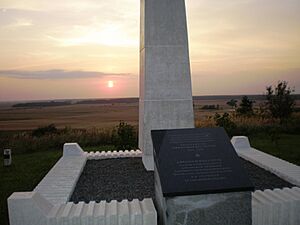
(165, 81)
(199, 179)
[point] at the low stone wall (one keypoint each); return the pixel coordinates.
(30, 208)
(278, 206)
(58, 185)
(283, 169)
(113, 154)
(48, 203)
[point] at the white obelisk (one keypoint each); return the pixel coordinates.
(165, 79)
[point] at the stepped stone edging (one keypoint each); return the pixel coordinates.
(31, 208)
(278, 206)
(283, 169)
(113, 154)
(59, 183)
(48, 203)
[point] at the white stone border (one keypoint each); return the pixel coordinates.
(48, 203)
(283, 169)
(276, 207)
(30, 208)
(114, 154)
(59, 183)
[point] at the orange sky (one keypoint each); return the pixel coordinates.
(72, 48)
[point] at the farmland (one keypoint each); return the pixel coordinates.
(103, 114)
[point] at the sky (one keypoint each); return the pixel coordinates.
(90, 48)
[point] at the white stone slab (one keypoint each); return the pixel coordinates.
(58, 185)
(276, 207)
(283, 169)
(30, 208)
(72, 149)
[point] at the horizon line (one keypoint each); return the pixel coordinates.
(130, 97)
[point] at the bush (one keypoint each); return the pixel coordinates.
(25, 142)
(224, 121)
(232, 103)
(124, 136)
(41, 131)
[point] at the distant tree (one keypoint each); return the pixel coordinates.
(210, 107)
(245, 107)
(232, 103)
(279, 101)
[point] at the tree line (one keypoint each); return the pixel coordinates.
(279, 103)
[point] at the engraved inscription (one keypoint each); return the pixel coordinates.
(192, 142)
(201, 170)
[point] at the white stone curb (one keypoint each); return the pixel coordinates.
(278, 206)
(283, 169)
(113, 154)
(48, 203)
(30, 208)
(58, 185)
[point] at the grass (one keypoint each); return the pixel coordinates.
(26, 142)
(26, 171)
(287, 146)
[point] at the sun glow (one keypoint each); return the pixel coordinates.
(110, 84)
(107, 35)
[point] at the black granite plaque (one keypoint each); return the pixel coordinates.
(198, 161)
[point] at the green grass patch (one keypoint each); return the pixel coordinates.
(26, 171)
(286, 147)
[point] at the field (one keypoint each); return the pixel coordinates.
(92, 115)
(75, 116)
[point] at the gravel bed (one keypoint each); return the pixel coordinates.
(126, 178)
(114, 179)
(262, 179)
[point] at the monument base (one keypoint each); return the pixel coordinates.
(210, 209)
(148, 162)
(232, 208)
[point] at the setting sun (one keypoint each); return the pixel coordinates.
(110, 84)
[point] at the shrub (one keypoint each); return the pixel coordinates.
(224, 121)
(25, 142)
(232, 103)
(124, 136)
(41, 131)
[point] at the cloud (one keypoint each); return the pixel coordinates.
(56, 74)
(97, 34)
(21, 22)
